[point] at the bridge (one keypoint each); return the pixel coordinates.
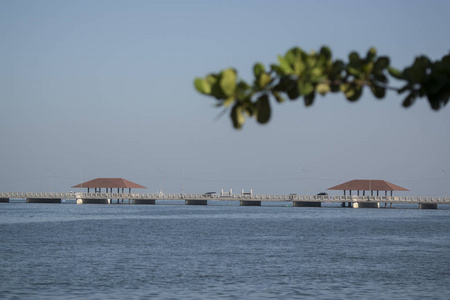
(245, 199)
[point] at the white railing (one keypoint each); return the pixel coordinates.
(235, 197)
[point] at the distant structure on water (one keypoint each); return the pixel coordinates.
(367, 185)
(109, 183)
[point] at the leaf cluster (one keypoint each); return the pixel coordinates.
(299, 74)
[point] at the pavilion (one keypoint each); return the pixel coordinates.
(367, 185)
(109, 183)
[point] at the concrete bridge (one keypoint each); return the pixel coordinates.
(245, 199)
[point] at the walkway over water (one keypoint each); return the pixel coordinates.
(246, 199)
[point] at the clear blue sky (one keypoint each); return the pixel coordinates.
(105, 89)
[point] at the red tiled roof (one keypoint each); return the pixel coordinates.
(109, 183)
(368, 185)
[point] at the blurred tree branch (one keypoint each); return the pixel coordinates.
(300, 74)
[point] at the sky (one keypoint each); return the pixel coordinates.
(94, 89)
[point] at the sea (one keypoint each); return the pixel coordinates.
(223, 251)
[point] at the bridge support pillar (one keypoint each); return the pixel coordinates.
(306, 204)
(4, 200)
(365, 205)
(144, 201)
(250, 203)
(43, 200)
(92, 201)
(427, 206)
(196, 202)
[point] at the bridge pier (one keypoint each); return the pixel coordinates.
(249, 203)
(306, 204)
(4, 200)
(365, 205)
(196, 202)
(427, 205)
(43, 200)
(93, 201)
(144, 201)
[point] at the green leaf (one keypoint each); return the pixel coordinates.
(263, 109)
(264, 79)
(202, 86)
(278, 97)
(227, 102)
(351, 91)
(277, 69)
(322, 88)
(284, 65)
(418, 71)
(354, 71)
(336, 69)
(305, 87)
(211, 79)
(382, 62)
(284, 84)
(371, 54)
(228, 82)
(409, 100)
(354, 57)
(309, 99)
(292, 92)
(326, 52)
(237, 116)
(294, 58)
(258, 69)
(381, 78)
(378, 91)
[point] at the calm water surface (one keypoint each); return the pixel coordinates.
(62, 251)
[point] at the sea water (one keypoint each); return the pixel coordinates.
(68, 251)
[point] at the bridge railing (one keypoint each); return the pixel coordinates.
(208, 196)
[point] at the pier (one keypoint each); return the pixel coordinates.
(245, 199)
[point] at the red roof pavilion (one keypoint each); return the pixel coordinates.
(109, 183)
(367, 185)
